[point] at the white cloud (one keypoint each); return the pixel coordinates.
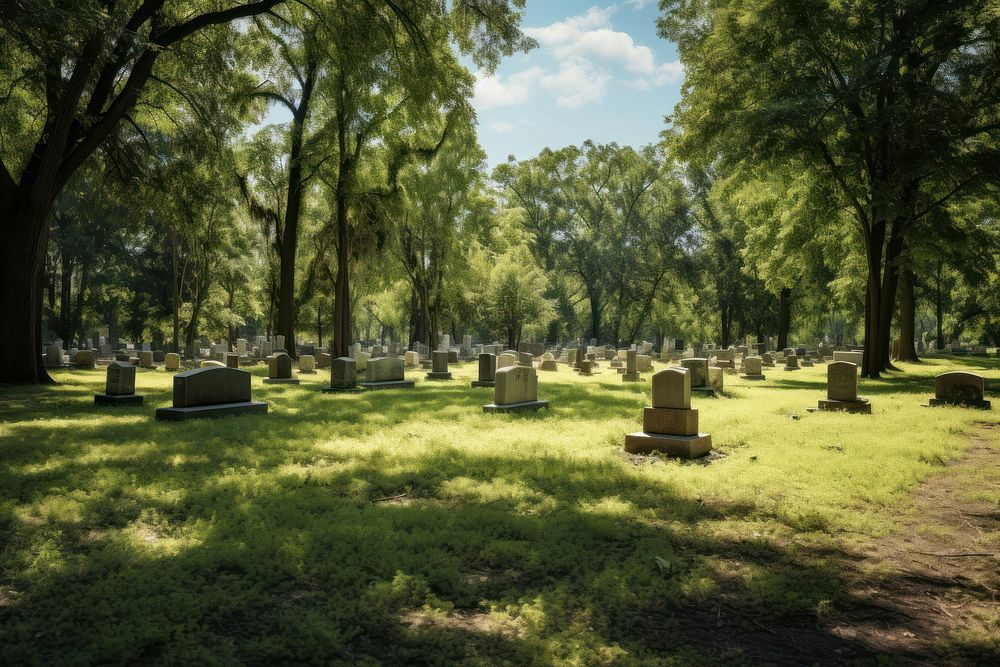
(491, 91)
(506, 128)
(638, 5)
(576, 83)
(591, 54)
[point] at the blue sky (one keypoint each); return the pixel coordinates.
(600, 73)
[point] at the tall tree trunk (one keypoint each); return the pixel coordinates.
(907, 317)
(784, 316)
(22, 264)
(874, 238)
(342, 288)
(66, 297)
(595, 313)
(175, 289)
(939, 306)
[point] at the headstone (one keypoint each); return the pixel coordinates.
(53, 356)
(445, 343)
(119, 387)
(698, 367)
(525, 359)
(279, 370)
(241, 347)
(960, 388)
(842, 390)
(453, 356)
(716, 377)
(159, 356)
(85, 359)
(791, 362)
(171, 361)
(516, 390)
(548, 363)
(211, 392)
(856, 358)
(279, 342)
(439, 365)
(412, 359)
(386, 373)
(307, 363)
(323, 360)
(232, 360)
(487, 370)
(631, 373)
(752, 367)
(670, 425)
(343, 375)
(506, 359)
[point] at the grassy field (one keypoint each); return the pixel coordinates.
(408, 527)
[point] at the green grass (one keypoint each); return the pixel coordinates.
(519, 540)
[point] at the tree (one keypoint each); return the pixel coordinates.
(514, 297)
(891, 105)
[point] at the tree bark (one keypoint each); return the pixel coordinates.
(907, 317)
(784, 316)
(22, 262)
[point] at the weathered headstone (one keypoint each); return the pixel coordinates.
(716, 377)
(343, 375)
(960, 388)
(323, 360)
(791, 362)
(412, 359)
(211, 392)
(525, 359)
(307, 364)
(119, 387)
(386, 373)
(506, 359)
(211, 363)
(84, 359)
(842, 390)
(439, 367)
(548, 363)
(855, 358)
(279, 370)
(698, 368)
(670, 425)
(631, 373)
(487, 370)
(516, 390)
(171, 361)
(53, 356)
(752, 367)
(232, 360)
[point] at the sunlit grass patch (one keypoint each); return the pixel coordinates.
(387, 525)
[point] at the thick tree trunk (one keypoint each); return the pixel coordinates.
(22, 262)
(595, 314)
(871, 365)
(784, 316)
(342, 287)
(939, 306)
(907, 317)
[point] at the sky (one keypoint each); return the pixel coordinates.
(600, 72)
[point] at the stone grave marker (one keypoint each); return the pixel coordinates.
(487, 370)
(548, 363)
(232, 360)
(842, 390)
(119, 386)
(960, 388)
(631, 373)
(411, 359)
(670, 425)
(211, 392)
(791, 362)
(386, 373)
(279, 370)
(752, 367)
(439, 365)
(505, 359)
(307, 364)
(698, 368)
(516, 390)
(85, 359)
(343, 375)
(171, 361)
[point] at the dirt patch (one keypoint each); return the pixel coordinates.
(474, 622)
(930, 590)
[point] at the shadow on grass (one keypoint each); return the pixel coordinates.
(195, 543)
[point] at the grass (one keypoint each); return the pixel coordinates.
(408, 527)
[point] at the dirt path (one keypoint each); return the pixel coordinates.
(930, 591)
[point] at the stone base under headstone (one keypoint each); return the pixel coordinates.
(859, 407)
(388, 384)
(939, 402)
(793, 368)
(445, 375)
(281, 380)
(426, 364)
(307, 372)
(211, 411)
(631, 377)
(526, 406)
(119, 400)
(758, 376)
(483, 383)
(705, 391)
(681, 446)
(342, 390)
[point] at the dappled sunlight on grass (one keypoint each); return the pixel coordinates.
(392, 524)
